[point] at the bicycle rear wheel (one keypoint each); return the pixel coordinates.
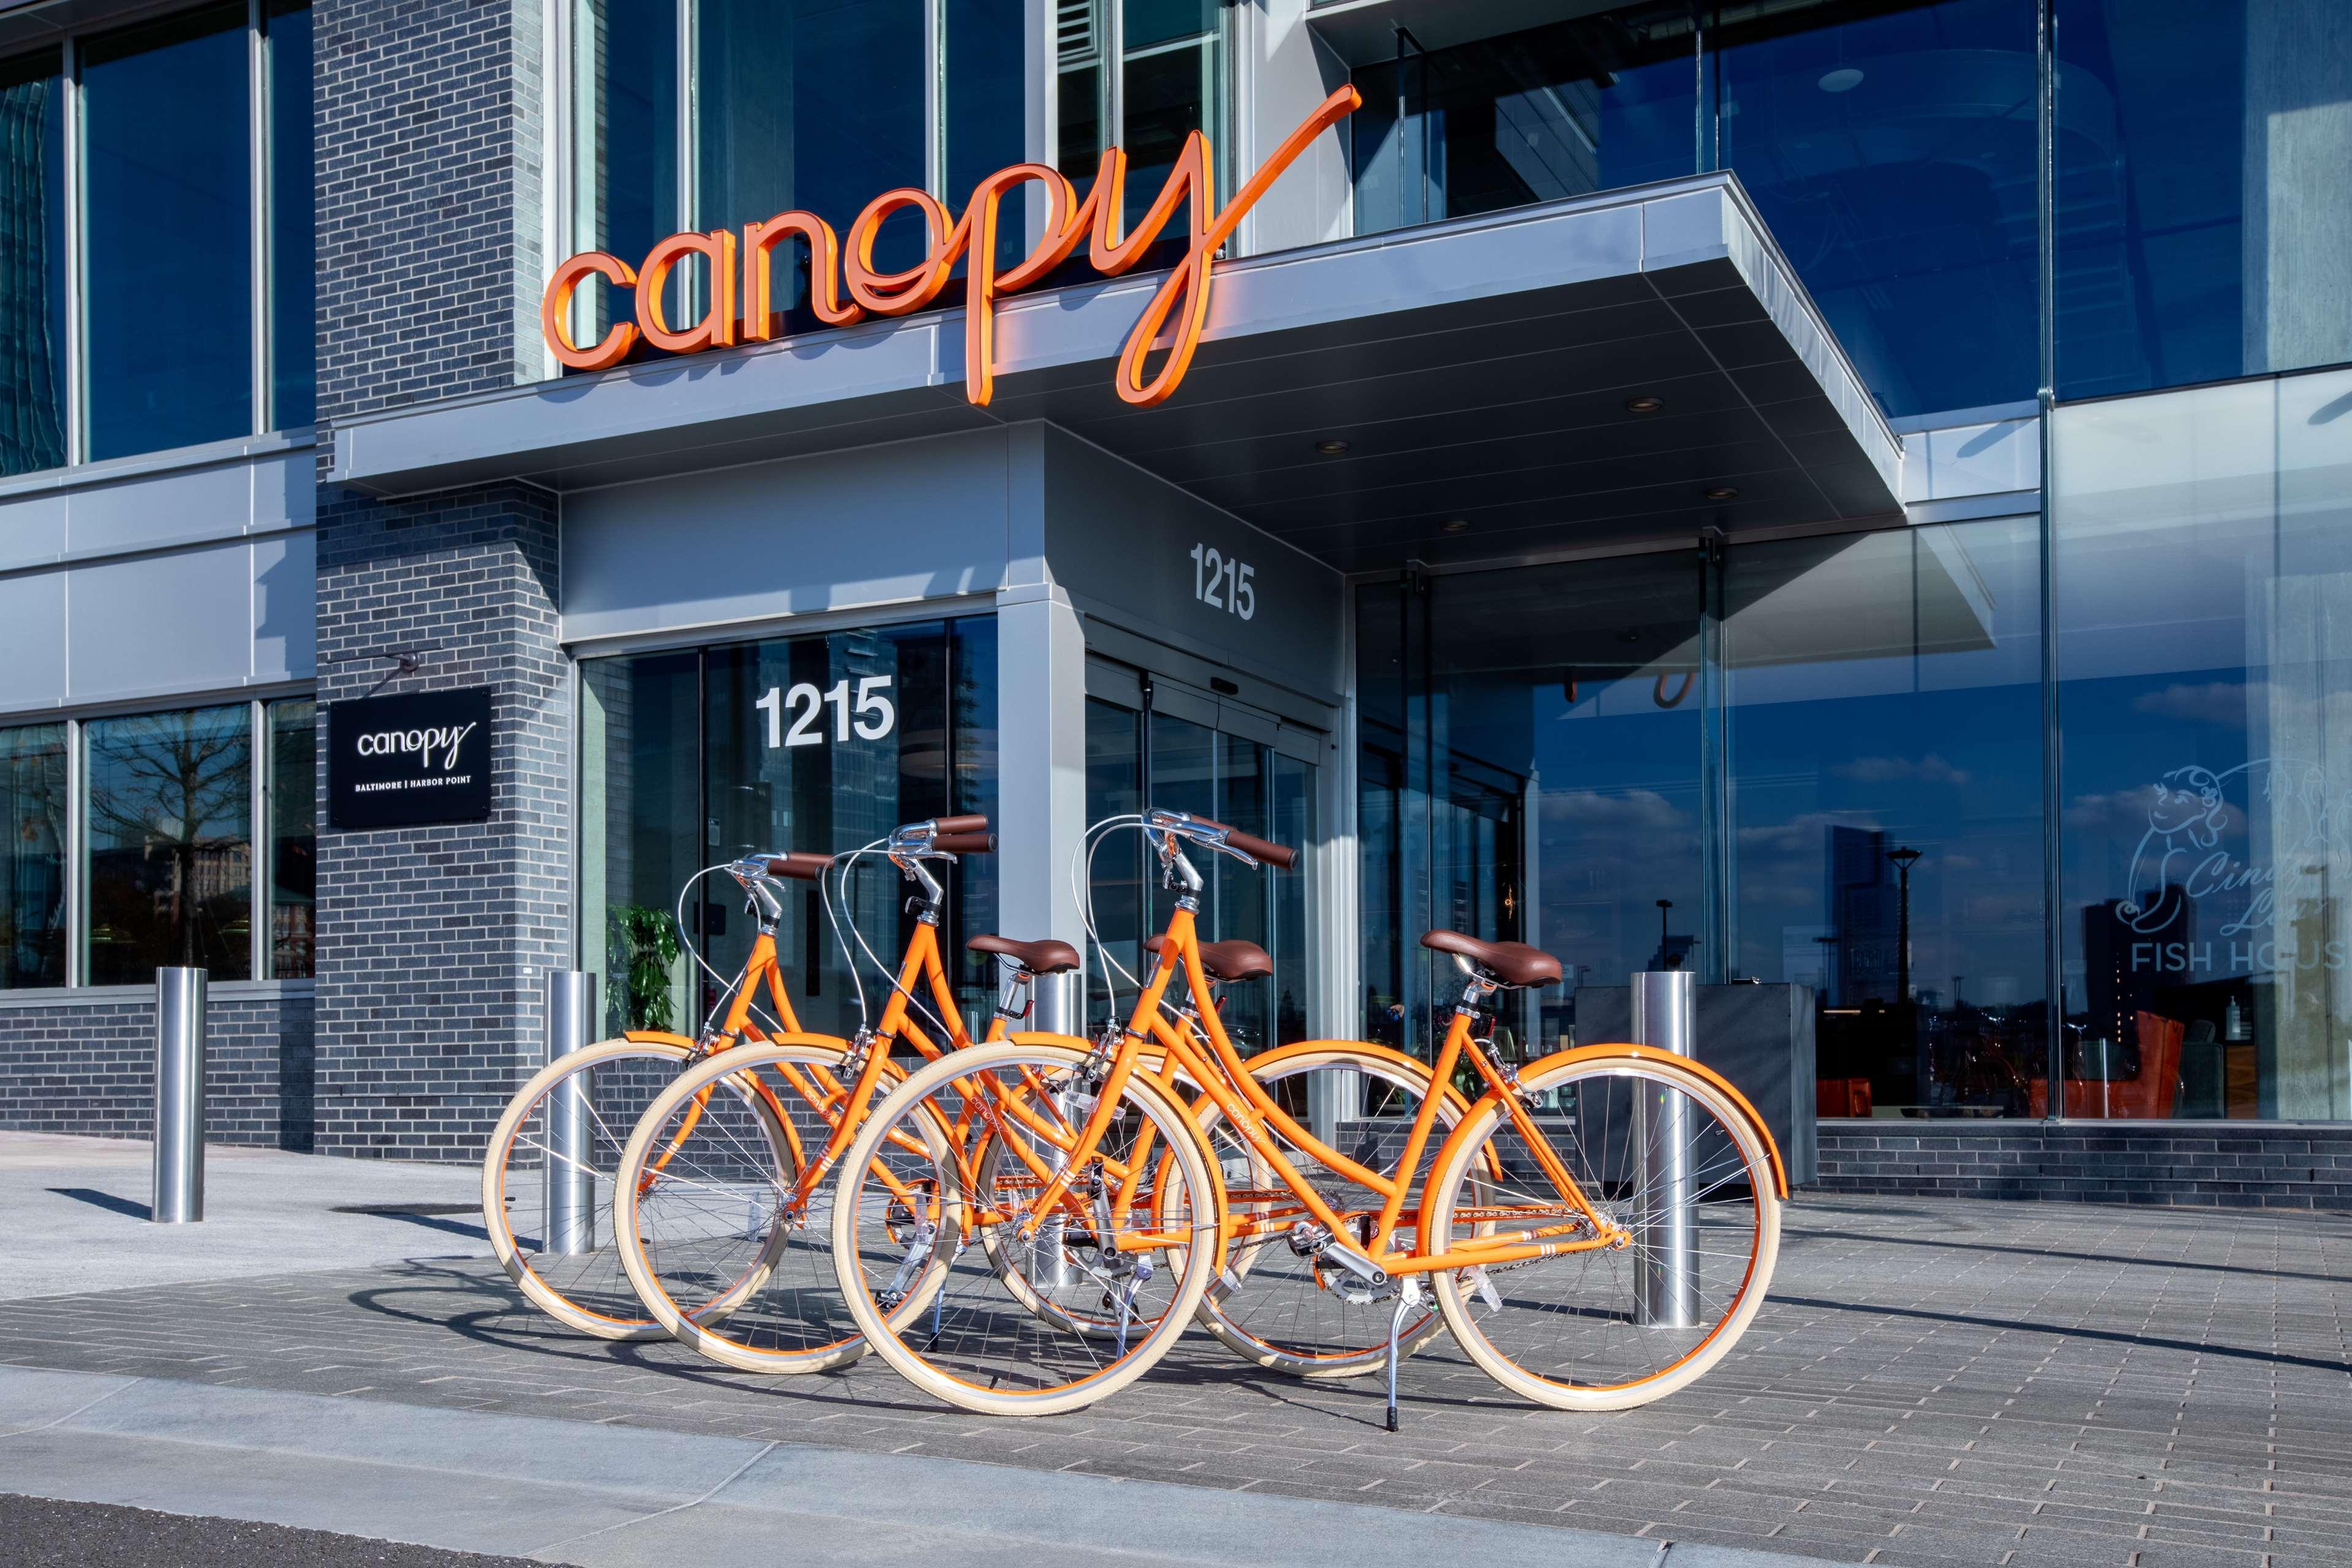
(1285, 1312)
(548, 1183)
(1671, 1164)
(708, 1208)
(1015, 1328)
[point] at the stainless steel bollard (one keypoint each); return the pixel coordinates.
(1059, 1009)
(179, 1192)
(1666, 1246)
(571, 1217)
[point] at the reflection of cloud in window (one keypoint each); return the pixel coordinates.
(1929, 769)
(2131, 811)
(1635, 810)
(2224, 702)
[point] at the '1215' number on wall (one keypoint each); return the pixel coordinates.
(874, 717)
(1222, 583)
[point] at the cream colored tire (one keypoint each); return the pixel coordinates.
(1225, 1320)
(702, 1330)
(909, 1108)
(1764, 1248)
(542, 1292)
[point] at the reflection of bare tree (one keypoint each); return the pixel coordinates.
(32, 813)
(176, 786)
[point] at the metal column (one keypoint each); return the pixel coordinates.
(179, 1192)
(1059, 1008)
(1665, 1247)
(571, 1217)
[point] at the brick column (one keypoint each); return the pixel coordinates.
(431, 941)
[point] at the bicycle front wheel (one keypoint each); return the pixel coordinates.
(1619, 1315)
(548, 1182)
(716, 1200)
(1017, 1326)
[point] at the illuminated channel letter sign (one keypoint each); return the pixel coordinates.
(740, 270)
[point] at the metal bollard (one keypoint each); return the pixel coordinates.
(570, 1216)
(1058, 1010)
(1665, 1269)
(179, 1192)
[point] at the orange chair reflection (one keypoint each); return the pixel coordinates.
(2146, 1098)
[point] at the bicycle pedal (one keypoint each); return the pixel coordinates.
(1482, 1286)
(1224, 1284)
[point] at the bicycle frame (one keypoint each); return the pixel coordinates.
(1224, 1076)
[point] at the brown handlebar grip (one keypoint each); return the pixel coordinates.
(1256, 849)
(806, 866)
(966, 843)
(970, 824)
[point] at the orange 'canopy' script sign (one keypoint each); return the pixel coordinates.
(748, 313)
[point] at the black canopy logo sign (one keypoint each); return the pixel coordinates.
(406, 761)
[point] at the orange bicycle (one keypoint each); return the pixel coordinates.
(1594, 1257)
(549, 1178)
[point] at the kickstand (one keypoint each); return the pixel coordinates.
(1396, 1322)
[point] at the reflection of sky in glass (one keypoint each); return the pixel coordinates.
(163, 127)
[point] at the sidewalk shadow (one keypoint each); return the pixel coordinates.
(95, 1199)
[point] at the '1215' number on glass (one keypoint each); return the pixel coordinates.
(874, 715)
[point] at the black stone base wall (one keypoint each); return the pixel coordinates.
(2180, 1163)
(88, 1069)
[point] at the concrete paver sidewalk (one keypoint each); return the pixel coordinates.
(76, 1215)
(1932, 1384)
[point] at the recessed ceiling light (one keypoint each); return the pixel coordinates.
(1629, 636)
(1455, 526)
(1846, 78)
(1723, 492)
(1332, 448)
(1644, 405)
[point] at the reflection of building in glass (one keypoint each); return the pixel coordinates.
(2131, 948)
(1863, 916)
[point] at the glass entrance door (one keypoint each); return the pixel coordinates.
(1157, 742)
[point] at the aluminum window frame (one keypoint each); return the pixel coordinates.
(76, 203)
(259, 797)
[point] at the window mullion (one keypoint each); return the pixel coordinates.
(261, 965)
(73, 872)
(77, 420)
(1113, 53)
(256, 164)
(935, 98)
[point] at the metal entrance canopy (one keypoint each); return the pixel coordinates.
(1582, 373)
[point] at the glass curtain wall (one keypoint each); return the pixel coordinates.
(34, 801)
(167, 179)
(34, 341)
(814, 105)
(1814, 762)
(818, 744)
(1181, 760)
(2204, 229)
(2202, 545)
(1142, 75)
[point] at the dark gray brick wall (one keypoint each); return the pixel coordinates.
(429, 132)
(90, 1068)
(2207, 1165)
(433, 940)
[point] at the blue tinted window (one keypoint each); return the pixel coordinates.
(169, 207)
(1555, 111)
(168, 857)
(2170, 112)
(1891, 153)
(33, 260)
(985, 99)
(293, 272)
(625, 138)
(810, 104)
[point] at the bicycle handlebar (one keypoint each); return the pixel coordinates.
(974, 823)
(966, 843)
(799, 863)
(1251, 844)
